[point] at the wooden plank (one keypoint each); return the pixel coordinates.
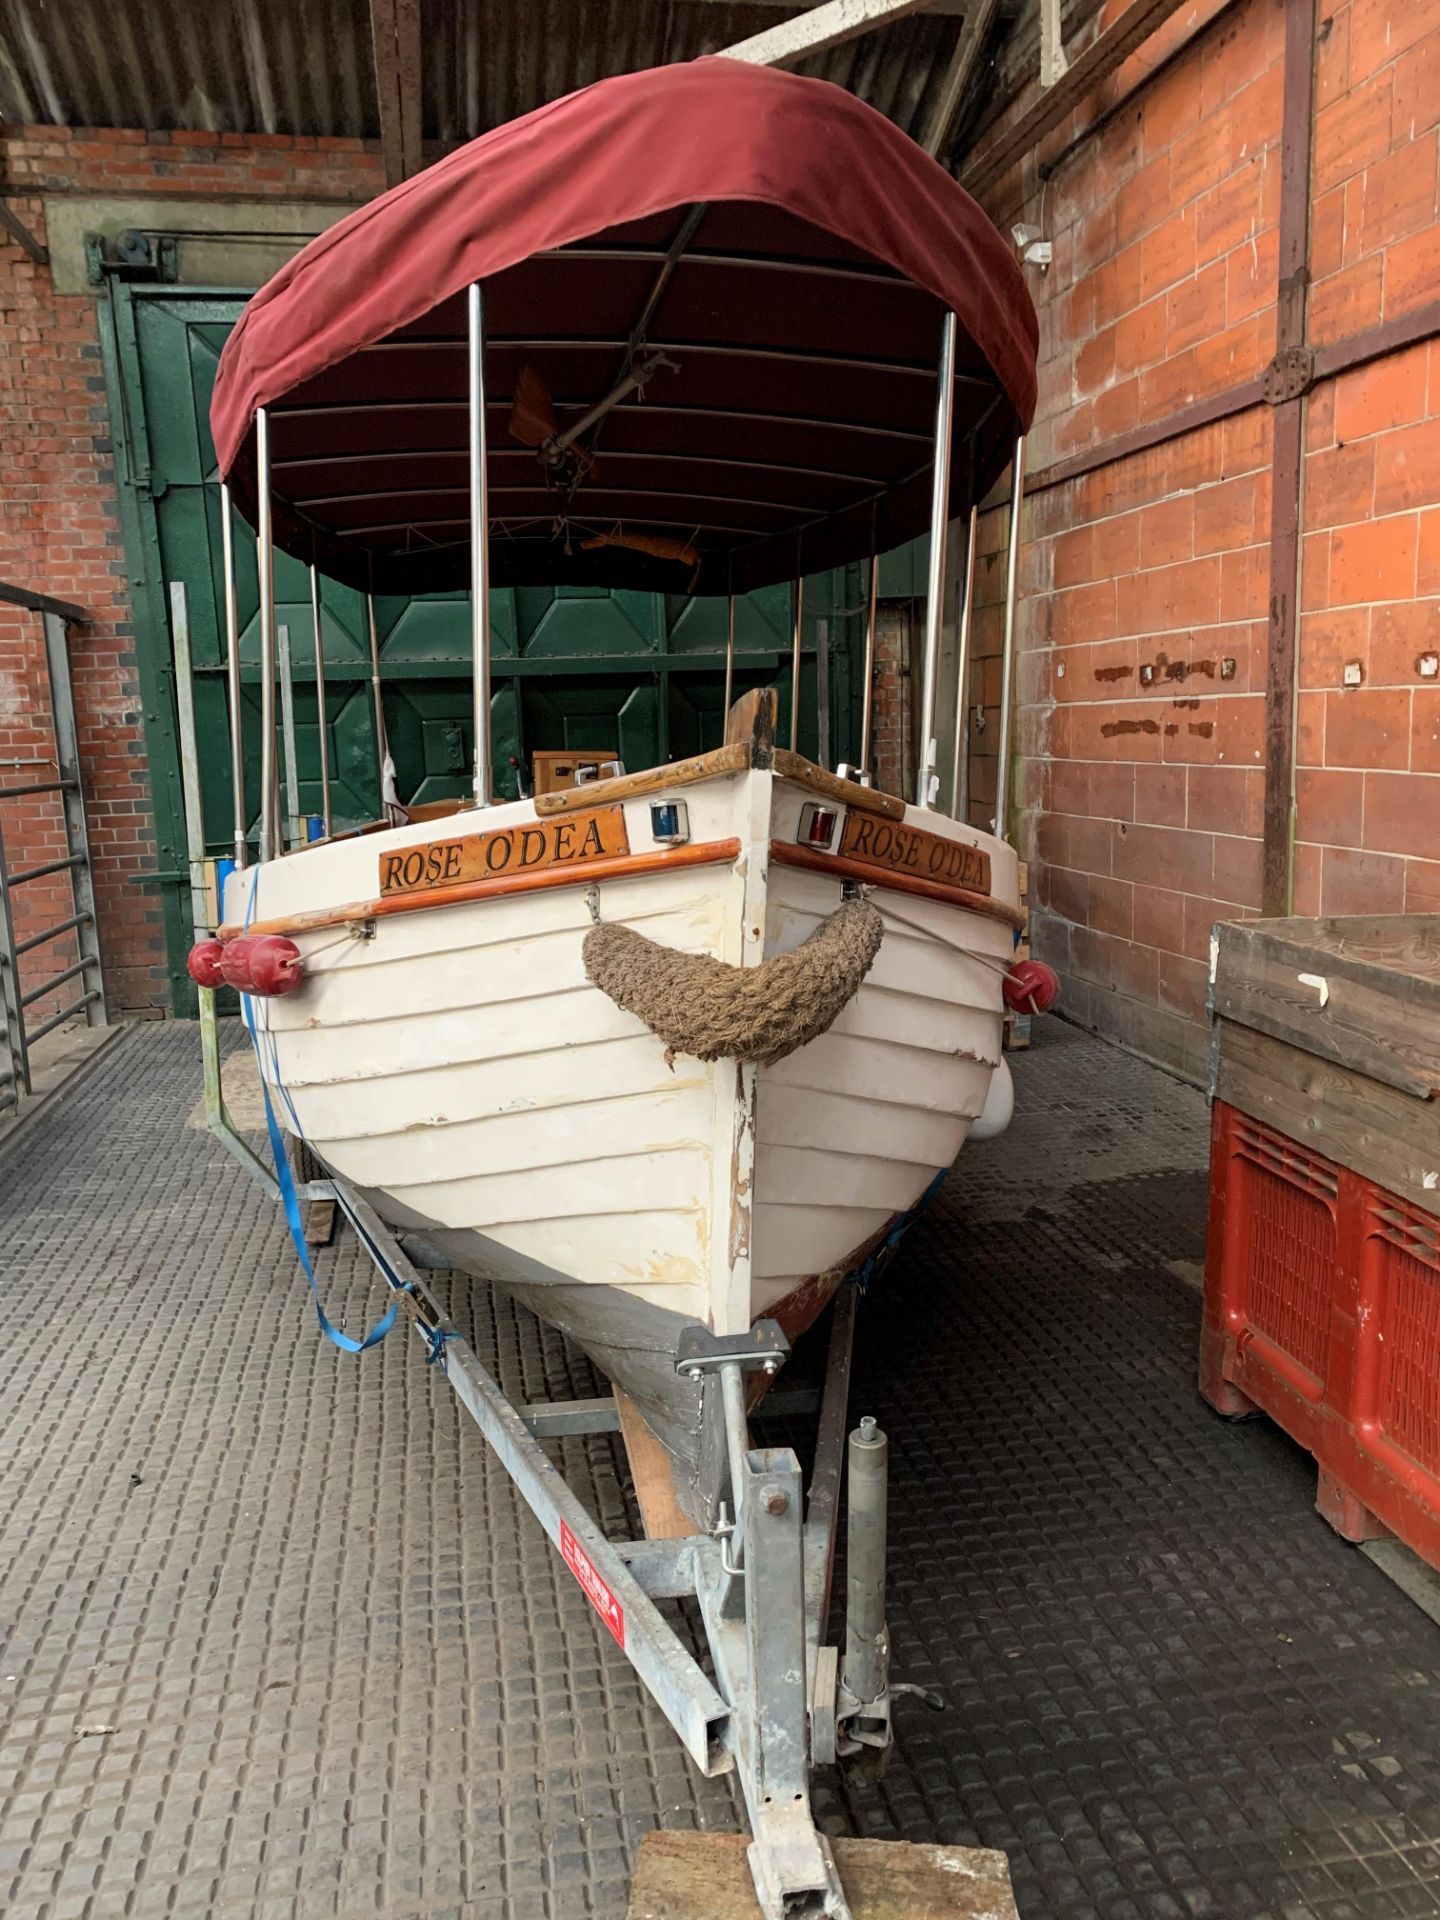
(805, 773)
(970, 43)
(752, 719)
(1356, 1121)
(826, 26)
(653, 1470)
(1287, 456)
(1362, 992)
(733, 758)
(706, 1876)
(395, 38)
(835, 866)
(702, 853)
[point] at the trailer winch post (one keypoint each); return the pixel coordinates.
(866, 1672)
(761, 1637)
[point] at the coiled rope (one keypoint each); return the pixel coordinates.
(701, 1006)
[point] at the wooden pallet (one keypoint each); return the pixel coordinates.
(706, 1876)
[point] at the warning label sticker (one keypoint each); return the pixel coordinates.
(596, 1591)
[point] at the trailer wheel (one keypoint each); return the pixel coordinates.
(318, 1215)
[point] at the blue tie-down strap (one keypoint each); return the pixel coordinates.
(880, 1256)
(291, 1198)
(434, 1336)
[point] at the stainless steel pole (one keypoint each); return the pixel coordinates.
(232, 677)
(479, 552)
(959, 786)
(1007, 659)
(935, 591)
(189, 759)
(287, 726)
(867, 1653)
(321, 711)
(381, 747)
(795, 664)
(729, 656)
(867, 699)
(266, 558)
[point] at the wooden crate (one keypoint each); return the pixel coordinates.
(550, 770)
(1322, 1273)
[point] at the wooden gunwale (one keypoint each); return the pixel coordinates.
(706, 853)
(836, 866)
(804, 773)
(630, 786)
(735, 757)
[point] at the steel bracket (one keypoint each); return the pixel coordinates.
(132, 256)
(1290, 374)
(762, 1349)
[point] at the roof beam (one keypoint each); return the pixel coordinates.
(820, 28)
(999, 151)
(11, 223)
(944, 9)
(969, 45)
(395, 36)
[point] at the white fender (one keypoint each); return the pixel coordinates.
(999, 1104)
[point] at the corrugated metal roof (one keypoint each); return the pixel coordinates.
(306, 66)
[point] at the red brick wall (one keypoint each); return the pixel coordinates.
(59, 517)
(892, 721)
(1146, 581)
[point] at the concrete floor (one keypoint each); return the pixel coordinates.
(276, 1638)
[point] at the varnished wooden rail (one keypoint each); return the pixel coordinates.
(628, 866)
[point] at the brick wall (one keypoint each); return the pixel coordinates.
(1146, 581)
(892, 721)
(59, 518)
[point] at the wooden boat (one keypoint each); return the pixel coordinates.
(446, 1049)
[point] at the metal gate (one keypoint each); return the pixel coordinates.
(579, 669)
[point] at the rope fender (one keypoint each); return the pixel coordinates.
(698, 1005)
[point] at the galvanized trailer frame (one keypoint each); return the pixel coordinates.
(780, 1699)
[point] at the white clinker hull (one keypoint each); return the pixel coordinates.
(456, 1066)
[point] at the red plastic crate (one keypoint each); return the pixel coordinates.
(1322, 1308)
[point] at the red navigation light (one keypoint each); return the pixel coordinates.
(817, 827)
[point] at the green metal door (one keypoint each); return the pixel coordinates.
(583, 669)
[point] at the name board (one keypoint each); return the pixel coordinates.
(891, 847)
(570, 841)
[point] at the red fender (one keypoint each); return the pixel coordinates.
(202, 963)
(266, 964)
(1031, 987)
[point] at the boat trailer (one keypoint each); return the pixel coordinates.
(781, 1699)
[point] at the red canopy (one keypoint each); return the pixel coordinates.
(818, 248)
